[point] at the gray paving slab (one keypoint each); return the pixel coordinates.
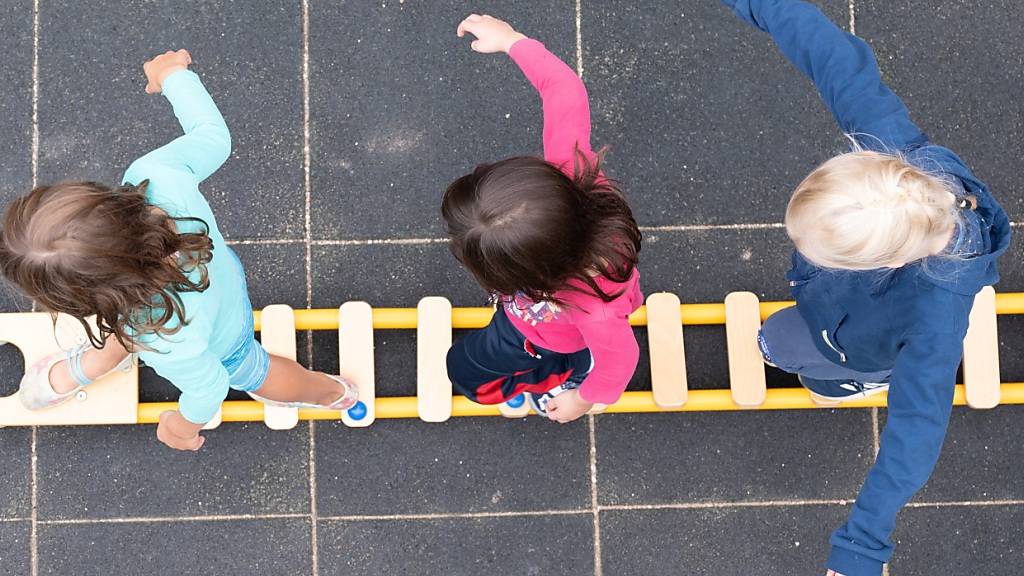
(707, 122)
(124, 471)
(15, 548)
(958, 67)
(1011, 328)
(228, 548)
(718, 542)
(12, 367)
(275, 273)
(463, 465)
(16, 473)
(459, 547)
(980, 458)
(401, 107)
(731, 456)
(1011, 342)
(704, 266)
(15, 119)
(388, 275)
(959, 540)
(94, 117)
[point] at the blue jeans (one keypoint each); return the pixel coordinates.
(787, 343)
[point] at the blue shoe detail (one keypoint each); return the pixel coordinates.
(842, 389)
(358, 411)
(516, 401)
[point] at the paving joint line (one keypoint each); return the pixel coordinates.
(34, 152)
(443, 240)
(308, 244)
(876, 439)
(723, 505)
(513, 513)
(173, 519)
(34, 530)
(579, 38)
(455, 515)
(853, 18)
(306, 169)
(313, 519)
(33, 537)
(594, 506)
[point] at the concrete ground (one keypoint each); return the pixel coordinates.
(349, 118)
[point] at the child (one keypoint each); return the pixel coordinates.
(556, 244)
(893, 241)
(146, 258)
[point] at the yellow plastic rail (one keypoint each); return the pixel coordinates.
(693, 314)
(699, 401)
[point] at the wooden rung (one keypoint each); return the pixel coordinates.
(520, 411)
(433, 339)
(668, 358)
(746, 365)
(277, 334)
(113, 399)
(981, 353)
(355, 351)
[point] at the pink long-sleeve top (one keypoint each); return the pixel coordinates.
(584, 321)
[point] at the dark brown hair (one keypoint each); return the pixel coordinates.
(83, 249)
(523, 226)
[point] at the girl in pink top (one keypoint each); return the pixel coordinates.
(556, 244)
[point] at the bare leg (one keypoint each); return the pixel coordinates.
(95, 363)
(288, 381)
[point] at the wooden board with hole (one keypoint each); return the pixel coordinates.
(981, 353)
(668, 357)
(277, 334)
(355, 351)
(433, 339)
(113, 399)
(746, 365)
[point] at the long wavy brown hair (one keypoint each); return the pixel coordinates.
(84, 249)
(521, 225)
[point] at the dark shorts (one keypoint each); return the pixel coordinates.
(497, 363)
(787, 343)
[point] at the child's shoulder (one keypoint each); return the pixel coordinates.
(173, 190)
(587, 305)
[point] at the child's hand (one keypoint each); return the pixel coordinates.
(493, 35)
(568, 406)
(178, 433)
(159, 68)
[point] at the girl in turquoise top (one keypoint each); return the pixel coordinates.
(148, 261)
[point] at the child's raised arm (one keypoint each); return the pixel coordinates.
(842, 67)
(206, 143)
(564, 97)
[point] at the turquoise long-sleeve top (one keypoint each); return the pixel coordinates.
(191, 357)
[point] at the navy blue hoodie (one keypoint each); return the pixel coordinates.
(911, 320)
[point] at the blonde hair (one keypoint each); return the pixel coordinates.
(864, 210)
